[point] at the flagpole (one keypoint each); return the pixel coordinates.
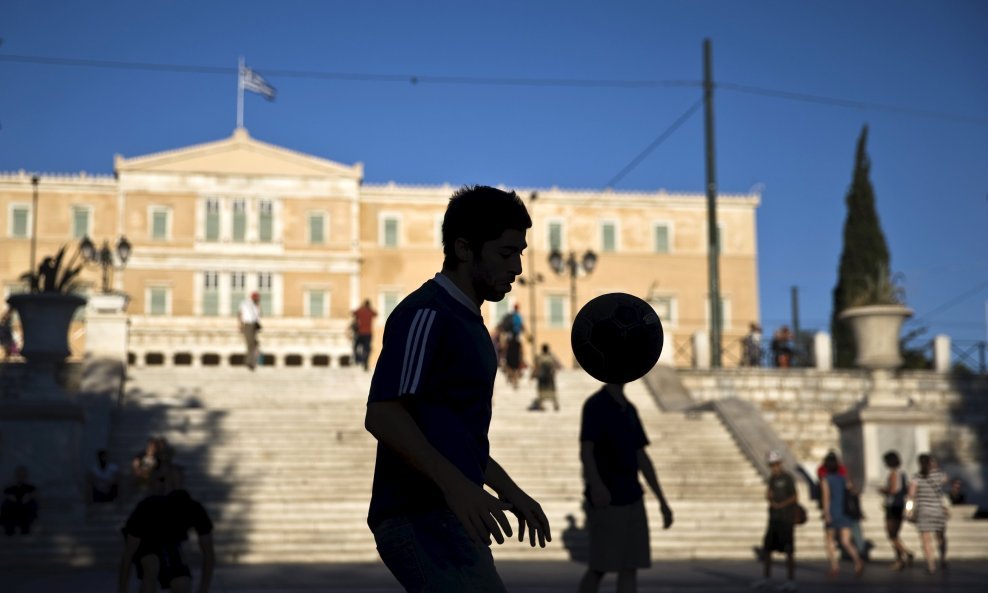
(240, 94)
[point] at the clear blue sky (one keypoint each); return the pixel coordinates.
(930, 174)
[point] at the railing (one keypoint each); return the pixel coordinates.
(969, 355)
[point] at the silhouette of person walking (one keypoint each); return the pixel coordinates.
(430, 408)
(544, 372)
(779, 536)
(364, 321)
(612, 448)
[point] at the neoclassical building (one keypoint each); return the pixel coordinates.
(210, 223)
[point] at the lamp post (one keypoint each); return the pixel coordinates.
(34, 222)
(104, 257)
(587, 263)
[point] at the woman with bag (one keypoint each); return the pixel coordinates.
(930, 515)
(894, 491)
(834, 490)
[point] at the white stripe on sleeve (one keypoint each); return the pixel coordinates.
(425, 337)
(409, 342)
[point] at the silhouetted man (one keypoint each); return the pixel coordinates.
(612, 448)
(430, 410)
(782, 498)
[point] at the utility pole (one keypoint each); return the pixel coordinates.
(713, 236)
(794, 300)
(34, 224)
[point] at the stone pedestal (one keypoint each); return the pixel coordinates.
(45, 437)
(866, 433)
(107, 327)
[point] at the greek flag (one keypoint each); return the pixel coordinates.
(253, 82)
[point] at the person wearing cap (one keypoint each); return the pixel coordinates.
(249, 317)
(782, 499)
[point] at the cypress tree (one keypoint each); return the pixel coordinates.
(865, 255)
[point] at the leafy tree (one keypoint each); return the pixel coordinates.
(864, 259)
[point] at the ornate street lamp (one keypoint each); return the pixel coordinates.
(573, 265)
(104, 257)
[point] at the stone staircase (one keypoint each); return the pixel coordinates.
(281, 460)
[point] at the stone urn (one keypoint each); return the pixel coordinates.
(876, 334)
(45, 319)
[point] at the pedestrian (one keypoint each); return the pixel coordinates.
(894, 490)
(956, 493)
(249, 317)
(20, 504)
(925, 493)
(782, 347)
(612, 449)
(429, 408)
(143, 463)
(753, 346)
(7, 343)
(154, 534)
(104, 479)
(544, 371)
(834, 488)
(782, 500)
(364, 318)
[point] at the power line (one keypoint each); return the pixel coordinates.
(655, 143)
(356, 76)
(954, 301)
(850, 103)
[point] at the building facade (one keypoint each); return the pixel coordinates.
(211, 223)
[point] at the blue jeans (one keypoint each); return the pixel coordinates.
(431, 553)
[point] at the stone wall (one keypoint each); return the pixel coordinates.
(799, 404)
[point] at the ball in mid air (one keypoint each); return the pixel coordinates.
(617, 338)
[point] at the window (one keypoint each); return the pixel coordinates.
(238, 290)
(389, 300)
(211, 294)
(157, 300)
(80, 222)
(239, 221)
(265, 222)
(264, 288)
(500, 309)
(315, 304)
(608, 237)
(317, 228)
(554, 236)
(556, 305)
(20, 221)
(212, 219)
(661, 235)
(389, 231)
(160, 216)
(665, 307)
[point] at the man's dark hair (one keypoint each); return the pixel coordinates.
(480, 214)
(925, 463)
(892, 459)
(830, 463)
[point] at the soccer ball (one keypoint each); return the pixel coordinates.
(617, 338)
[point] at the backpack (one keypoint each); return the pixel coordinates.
(507, 324)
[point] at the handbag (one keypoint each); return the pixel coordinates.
(852, 506)
(799, 514)
(257, 326)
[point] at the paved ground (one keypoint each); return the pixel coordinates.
(523, 577)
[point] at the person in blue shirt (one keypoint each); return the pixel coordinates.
(430, 407)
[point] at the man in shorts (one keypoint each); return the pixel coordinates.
(612, 448)
(154, 535)
(429, 407)
(782, 499)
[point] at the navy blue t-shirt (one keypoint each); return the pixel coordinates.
(617, 435)
(437, 358)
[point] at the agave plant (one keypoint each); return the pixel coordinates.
(881, 289)
(52, 276)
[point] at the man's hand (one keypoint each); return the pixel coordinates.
(481, 514)
(600, 496)
(530, 513)
(666, 515)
